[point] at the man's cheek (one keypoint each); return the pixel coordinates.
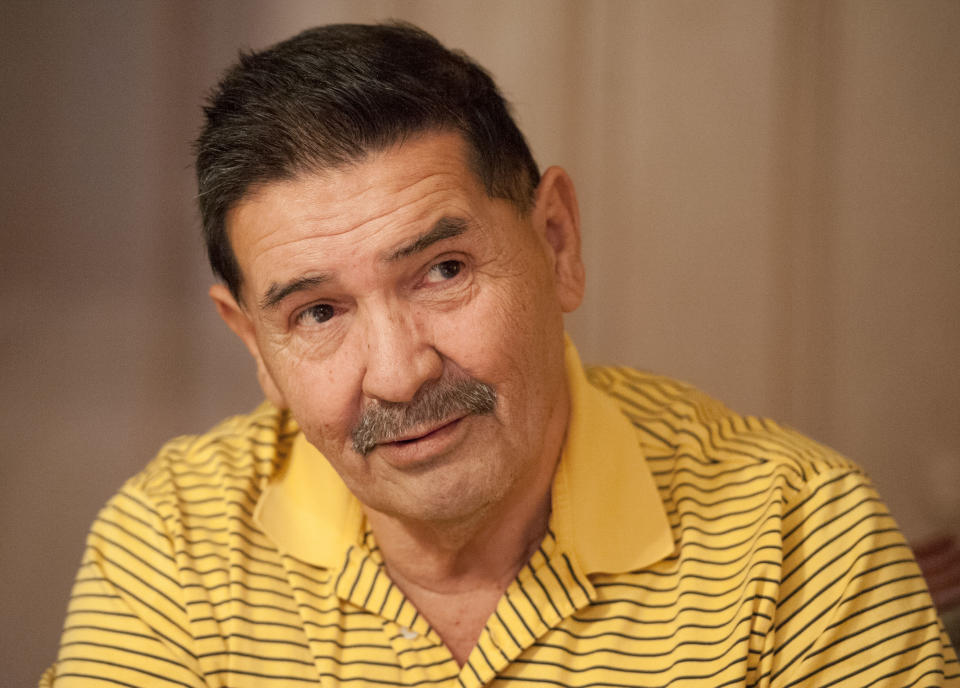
(330, 427)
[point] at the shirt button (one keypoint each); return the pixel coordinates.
(407, 633)
(494, 638)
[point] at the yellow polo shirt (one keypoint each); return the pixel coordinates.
(687, 546)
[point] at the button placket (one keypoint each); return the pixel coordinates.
(546, 592)
(420, 654)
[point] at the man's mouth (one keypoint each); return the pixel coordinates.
(420, 434)
(396, 424)
(424, 447)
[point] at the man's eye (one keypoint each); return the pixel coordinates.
(446, 270)
(319, 313)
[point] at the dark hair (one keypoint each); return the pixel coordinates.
(331, 95)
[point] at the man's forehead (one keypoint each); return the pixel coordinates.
(415, 171)
(390, 205)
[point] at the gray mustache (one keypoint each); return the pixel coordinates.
(435, 402)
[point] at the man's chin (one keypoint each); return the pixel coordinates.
(445, 491)
(437, 509)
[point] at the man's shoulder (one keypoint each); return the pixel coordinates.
(238, 451)
(679, 424)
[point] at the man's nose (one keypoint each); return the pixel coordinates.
(400, 357)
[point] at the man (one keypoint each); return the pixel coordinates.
(435, 491)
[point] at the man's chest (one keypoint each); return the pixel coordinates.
(284, 622)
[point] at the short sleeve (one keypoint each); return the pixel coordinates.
(853, 608)
(126, 622)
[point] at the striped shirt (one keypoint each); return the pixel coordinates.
(687, 545)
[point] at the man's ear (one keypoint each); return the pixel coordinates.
(239, 321)
(557, 215)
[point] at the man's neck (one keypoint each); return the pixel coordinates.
(455, 573)
(448, 557)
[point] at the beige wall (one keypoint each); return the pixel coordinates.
(770, 201)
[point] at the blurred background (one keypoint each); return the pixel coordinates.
(770, 195)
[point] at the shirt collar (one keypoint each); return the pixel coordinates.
(307, 510)
(606, 507)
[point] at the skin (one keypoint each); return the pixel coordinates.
(363, 284)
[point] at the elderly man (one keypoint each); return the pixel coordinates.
(436, 492)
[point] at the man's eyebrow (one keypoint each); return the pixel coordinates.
(444, 228)
(278, 292)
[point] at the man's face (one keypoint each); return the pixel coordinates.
(397, 290)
